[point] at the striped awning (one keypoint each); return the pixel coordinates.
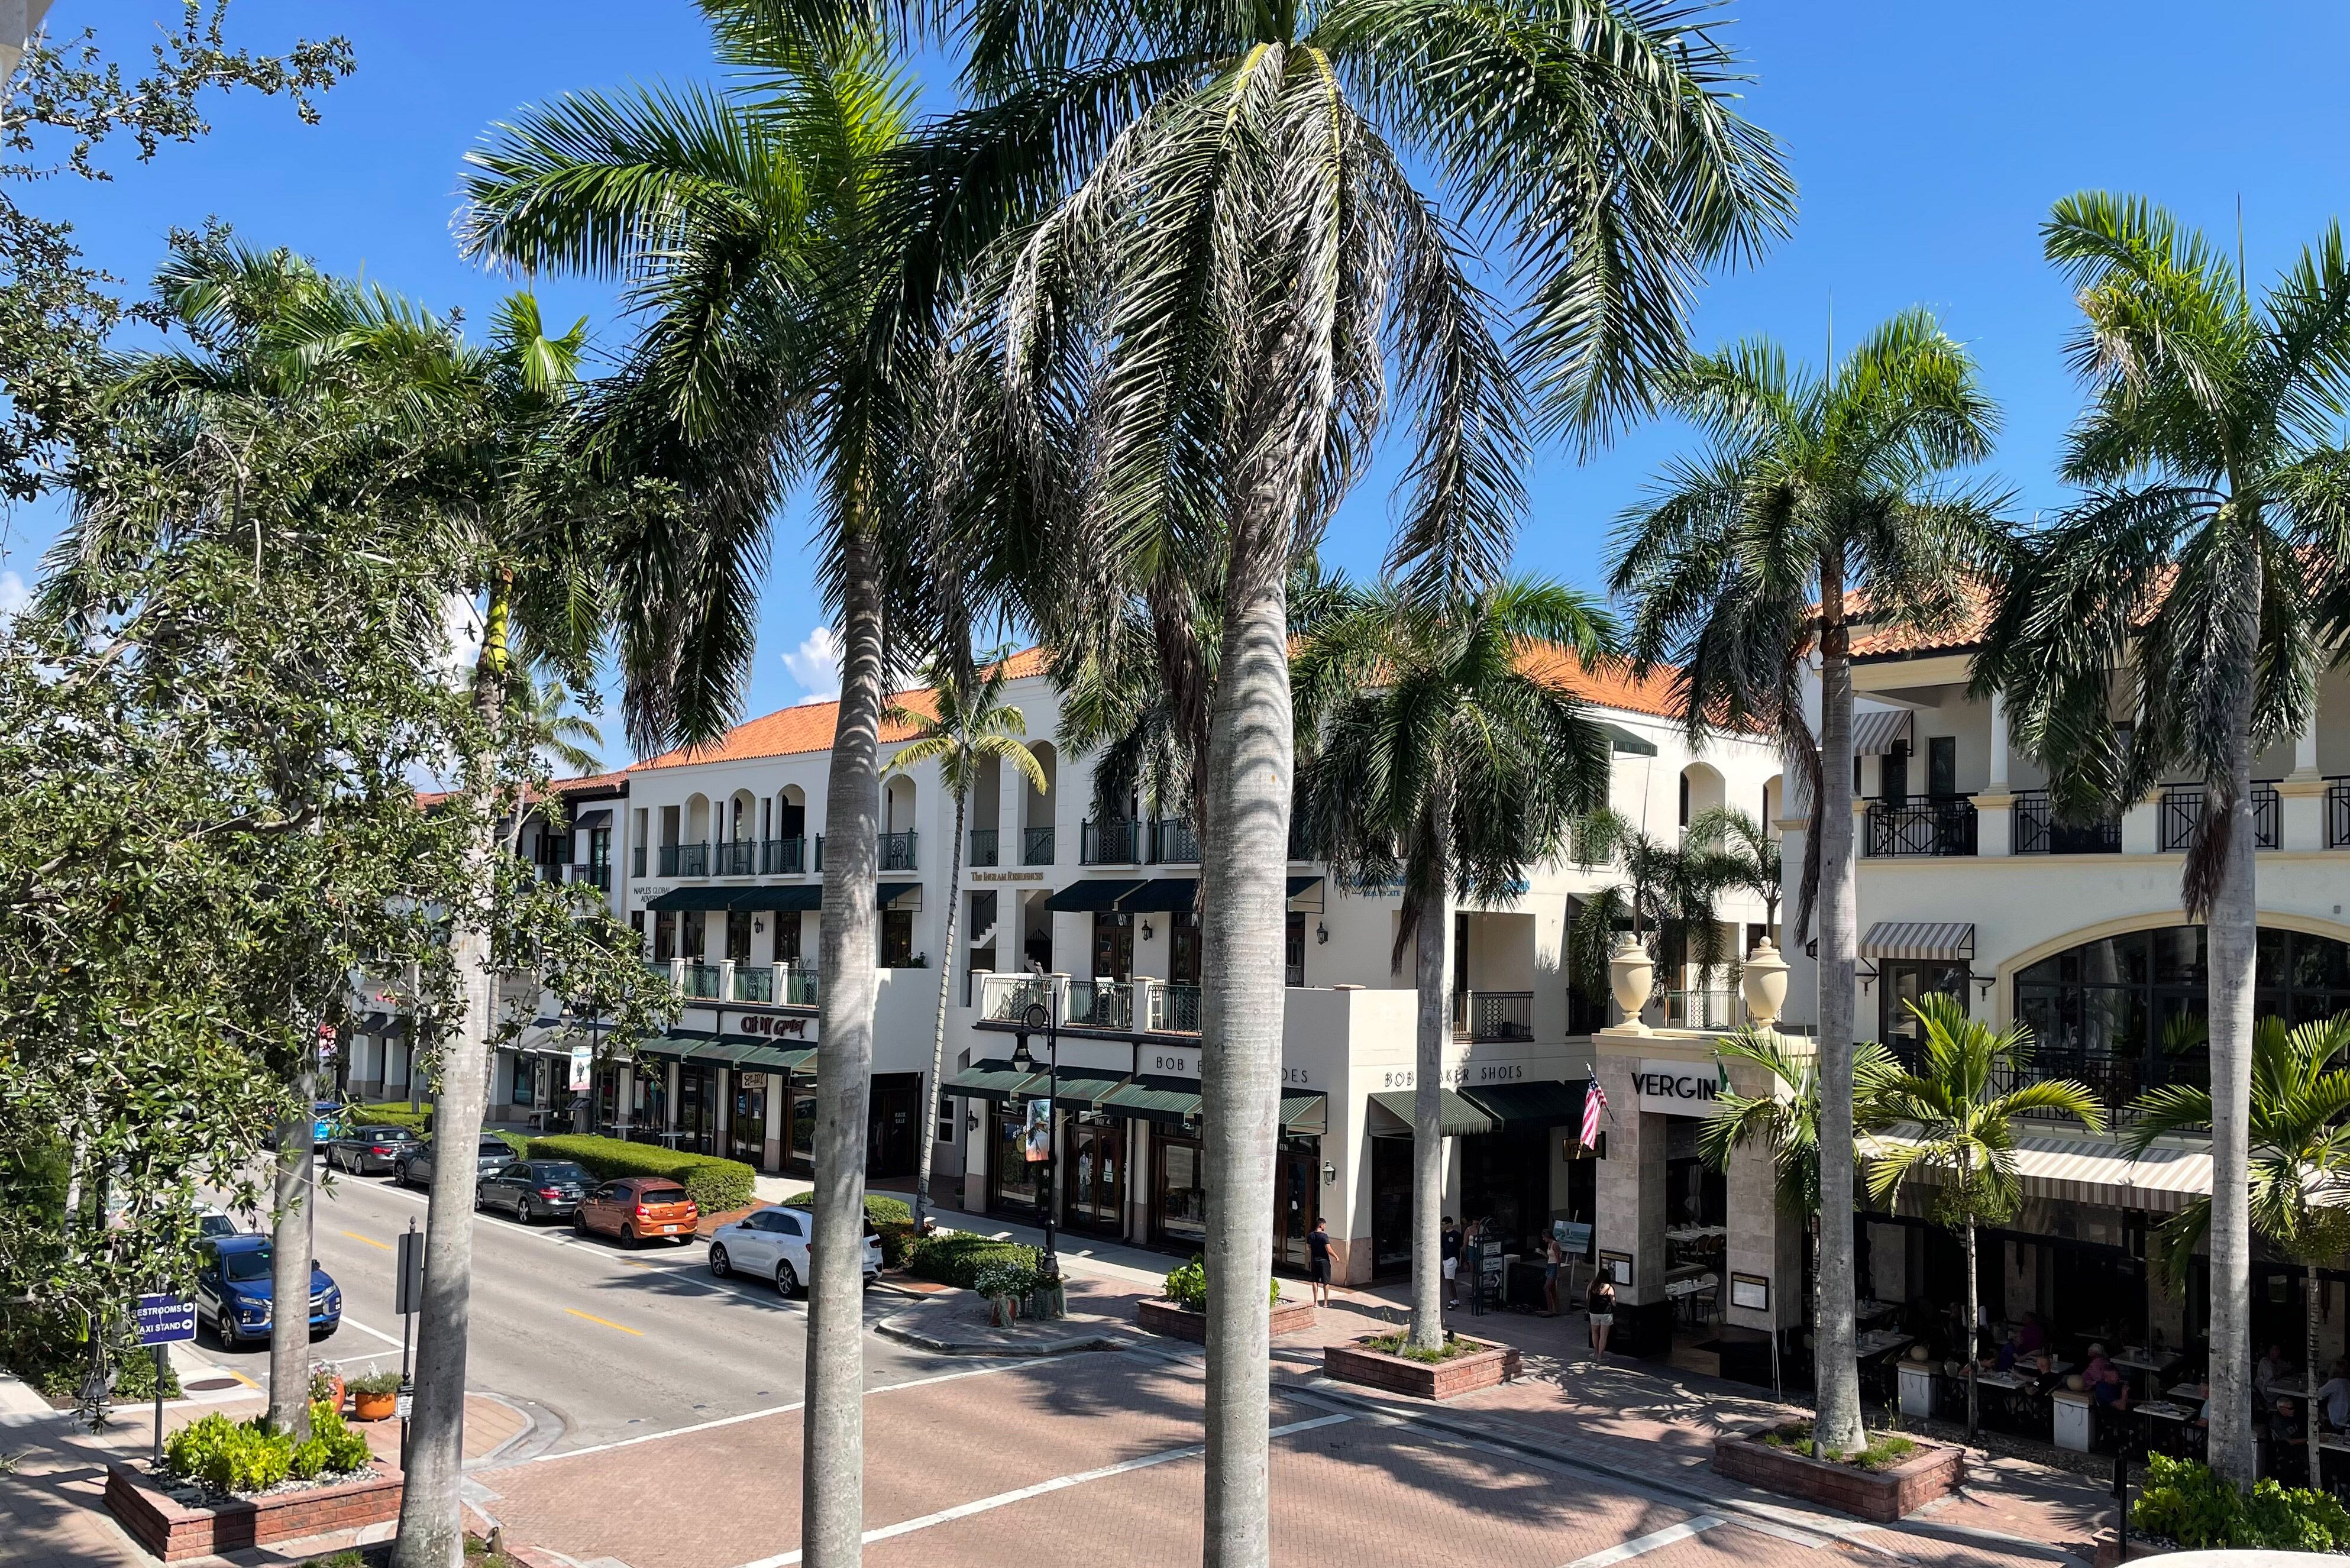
(1874, 731)
(1460, 1117)
(2095, 1170)
(1944, 939)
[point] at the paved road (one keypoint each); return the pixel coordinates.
(608, 1342)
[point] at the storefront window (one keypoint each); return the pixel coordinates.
(664, 935)
(693, 932)
(526, 1073)
(1014, 1179)
(1904, 982)
(738, 935)
(749, 1126)
(804, 1123)
(1293, 949)
(1179, 1191)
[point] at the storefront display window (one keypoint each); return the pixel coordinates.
(1013, 1177)
(802, 1139)
(1179, 1192)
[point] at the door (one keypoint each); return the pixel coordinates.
(1179, 1192)
(890, 1147)
(1390, 1208)
(1942, 766)
(747, 1138)
(1297, 1199)
(695, 1111)
(1113, 946)
(1093, 1185)
(1183, 949)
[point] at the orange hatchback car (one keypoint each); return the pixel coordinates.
(637, 1209)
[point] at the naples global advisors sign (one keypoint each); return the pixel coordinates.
(1678, 1088)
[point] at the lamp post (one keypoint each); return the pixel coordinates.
(1043, 1017)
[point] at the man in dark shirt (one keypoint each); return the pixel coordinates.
(1451, 1256)
(1317, 1249)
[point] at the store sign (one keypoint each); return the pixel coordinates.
(1174, 1064)
(1005, 876)
(771, 1025)
(751, 1080)
(1678, 1088)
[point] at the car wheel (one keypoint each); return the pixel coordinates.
(478, 1205)
(629, 1236)
(578, 1222)
(719, 1267)
(787, 1283)
(522, 1213)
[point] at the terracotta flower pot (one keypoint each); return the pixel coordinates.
(374, 1406)
(333, 1395)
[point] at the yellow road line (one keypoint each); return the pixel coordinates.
(607, 1322)
(380, 1246)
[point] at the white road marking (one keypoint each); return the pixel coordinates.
(1640, 1546)
(351, 1322)
(1058, 1483)
(773, 1410)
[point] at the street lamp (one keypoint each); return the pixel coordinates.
(1038, 1017)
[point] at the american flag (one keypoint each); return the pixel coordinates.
(1595, 1100)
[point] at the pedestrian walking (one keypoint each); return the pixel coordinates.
(1450, 1246)
(1602, 1307)
(1317, 1249)
(1553, 1255)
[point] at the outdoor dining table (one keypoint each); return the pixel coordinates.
(2190, 1392)
(2174, 1416)
(1878, 1341)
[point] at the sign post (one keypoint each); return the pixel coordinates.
(407, 1300)
(162, 1320)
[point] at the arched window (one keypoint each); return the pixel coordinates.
(2126, 1013)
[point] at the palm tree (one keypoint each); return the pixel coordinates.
(2297, 1145)
(1785, 1120)
(1213, 311)
(543, 708)
(1437, 760)
(1822, 500)
(1959, 1131)
(1665, 903)
(2203, 571)
(1748, 856)
(969, 725)
(780, 278)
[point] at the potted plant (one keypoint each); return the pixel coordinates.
(1004, 1283)
(327, 1384)
(375, 1396)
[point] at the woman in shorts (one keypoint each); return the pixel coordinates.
(1601, 1305)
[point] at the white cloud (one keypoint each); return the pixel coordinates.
(815, 665)
(14, 594)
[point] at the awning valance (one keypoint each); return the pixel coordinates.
(999, 1080)
(1153, 1099)
(887, 894)
(1946, 940)
(1874, 731)
(1306, 1113)
(1461, 1119)
(1629, 743)
(1301, 885)
(695, 898)
(2095, 1170)
(1092, 896)
(1545, 1105)
(801, 898)
(1162, 896)
(589, 821)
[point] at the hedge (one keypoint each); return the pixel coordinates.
(891, 1218)
(413, 1115)
(956, 1257)
(716, 1185)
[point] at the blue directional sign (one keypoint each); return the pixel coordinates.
(162, 1319)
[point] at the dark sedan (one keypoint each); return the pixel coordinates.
(532, 1189)
(367, 1150)
(413, 1168)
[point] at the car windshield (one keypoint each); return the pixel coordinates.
(560, 1173)
(216, 1225)
(245, 1264)
(661, 1195)
(493, 1146)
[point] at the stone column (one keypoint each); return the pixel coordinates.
(1996, 805)
(979, 1147)
(779, 1095)
(2302, 795)
(2142, 827)
(1763, 1239)
(1631, 1209)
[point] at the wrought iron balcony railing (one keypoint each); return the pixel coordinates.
(2038, 832)
(1922, 826)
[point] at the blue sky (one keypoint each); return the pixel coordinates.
(1928, 141)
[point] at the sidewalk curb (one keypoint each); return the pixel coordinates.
(907, 1333)
(1837, 1527)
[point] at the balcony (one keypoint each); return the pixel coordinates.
(896, 852)
(1493, 1014)
(1114, 841)
(1920, 826)
(1007, 998)
(783, 857)
(685, 861)
(637, 861)
(1037, 847)
(738, 858)
(1172, 842)
(1174, 1009)
(2182, 813)
(596, 876)
(1100, 1004)
(799, 986)
(982, 846)
(2037, 831)
(1705, 1010)
(699, 979)
(2337, 814)
(2115, 1081)
(755, 983)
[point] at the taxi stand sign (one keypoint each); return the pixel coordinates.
(162, 1321)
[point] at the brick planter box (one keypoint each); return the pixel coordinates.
(174, 1531)
(1934, 1470)
(1481, 1368)
(1166, 1318)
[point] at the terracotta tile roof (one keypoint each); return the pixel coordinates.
(1968, 630)
(1610, 686)
(557, 786)
(793, 731)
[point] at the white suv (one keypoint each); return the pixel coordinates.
(773, 1244)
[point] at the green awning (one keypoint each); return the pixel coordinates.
(1305, 1112)
(1080, 1086)
(1627, 742)
(1299, 886)
(1461, 1119)
(1547, 1105)
(888, 893)
(695, 898)
(772, 1058)
(1162, 896)
(1150, 1099)
(1091, 896)
(992, 1081)
(800, 897)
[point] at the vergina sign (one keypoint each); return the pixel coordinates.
(1678, 1088)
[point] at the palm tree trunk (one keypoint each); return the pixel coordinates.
(289, 1265)
(2233, 920)
(832, 1506)
(1432, 966)
(1838, 1427)
(939, 1035)
(2309, 1305)
(1252, 757)
(431, 1517)
(1974, 1330)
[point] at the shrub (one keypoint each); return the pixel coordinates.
(1188, 1287)
(956, 1257)
(413, 1115)
(374, 1383)
(253, 1456)
(1007, 1276)
(1400, 1345)
(717, 1186)
(2185, 1502)
(890, 1217)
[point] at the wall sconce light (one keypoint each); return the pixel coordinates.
(759, 923)
(1321, 934)
(1329, 1174)
(1146, 929)
(970, 1121)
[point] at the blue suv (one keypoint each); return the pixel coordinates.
(233, 1292)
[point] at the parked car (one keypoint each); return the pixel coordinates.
(325, 1122)
(773, 1244)
(638, 1208)
(368, 1150)
(212, 1225)
(412, 1166)
(233, 1292)
(533, 1189)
